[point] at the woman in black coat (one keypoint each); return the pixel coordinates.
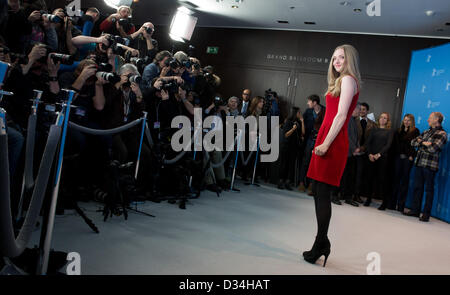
(404, 158)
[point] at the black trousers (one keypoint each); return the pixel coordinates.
(322, 202)
(361, 183)
(348, 179)
(305, 162)
(288, 156)
(423, 177)
(400, 192)
(377, 176)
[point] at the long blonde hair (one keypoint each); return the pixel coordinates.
(351, 68)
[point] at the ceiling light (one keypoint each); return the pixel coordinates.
(310, 23)
(429, 12)
(183, 24)
(345, 3)
(447, 24)
(357, 10)
(234, 6)
(282, 21)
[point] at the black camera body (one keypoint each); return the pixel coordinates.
(172, 63)
(170, 87)
(125, 23)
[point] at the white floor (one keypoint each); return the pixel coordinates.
(260, 231)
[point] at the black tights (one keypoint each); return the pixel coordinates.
(322, 201)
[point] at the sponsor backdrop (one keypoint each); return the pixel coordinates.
(427, 91)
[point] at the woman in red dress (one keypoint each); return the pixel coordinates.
(331, 149)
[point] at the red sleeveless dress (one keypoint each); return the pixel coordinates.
(330, 167)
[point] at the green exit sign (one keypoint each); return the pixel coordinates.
(212, 50)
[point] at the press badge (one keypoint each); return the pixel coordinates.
(156, 125)
(80, 112)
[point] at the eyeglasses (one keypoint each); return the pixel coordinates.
(245, 93)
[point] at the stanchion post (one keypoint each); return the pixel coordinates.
(256, 161)
(235, 160)
(62, 120)
(34, 107)
(144, 121)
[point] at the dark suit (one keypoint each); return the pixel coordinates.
(362, 160)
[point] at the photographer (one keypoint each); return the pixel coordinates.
(142, 40)
(218, 110)
(16, 27)
(292, 134)
(124, 104)
(90, 153)
(86, 23)
(43, 31)
(40, 72)
(65, 31)
(118, 23)
(162, 107)
(159, 68)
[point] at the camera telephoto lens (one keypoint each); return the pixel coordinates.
(110, 77)
(135, 79)
(52, 18)
(64, 59)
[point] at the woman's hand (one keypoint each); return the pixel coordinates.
(321, 150)
(410, 158)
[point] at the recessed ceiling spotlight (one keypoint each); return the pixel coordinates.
(292, 7)
(345, 3)
(310, 23)
(282, 21)
(234, 6)
(447, 24)
(357, 10)
(429, 12)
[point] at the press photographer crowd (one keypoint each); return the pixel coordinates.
(121, 74)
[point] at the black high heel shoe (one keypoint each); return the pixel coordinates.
(318, 249)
